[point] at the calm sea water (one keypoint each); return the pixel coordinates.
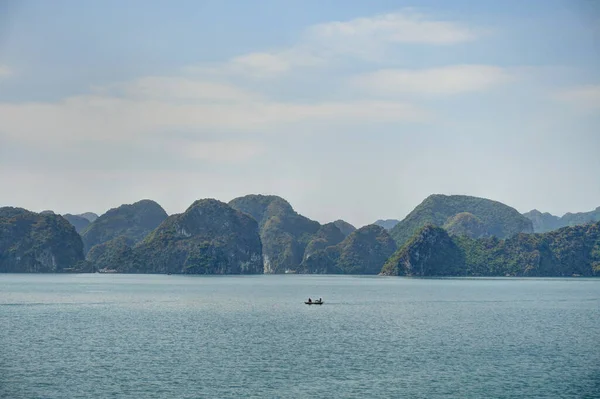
(157, 336)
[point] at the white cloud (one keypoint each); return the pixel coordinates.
(435, 81)
(265, 62)
(584, 97)
(5, 71)
(400, 27)
(367, 38)
(209, 100)
(109, 117)
(171, 89)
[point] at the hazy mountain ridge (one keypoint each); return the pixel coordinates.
(79, 222)
(91, 216)
(544, 222)
(387, 224)
(345, 227)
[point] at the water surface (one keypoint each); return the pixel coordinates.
(158, 336)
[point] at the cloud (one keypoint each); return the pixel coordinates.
(260, 65)
(264, 62)
(217, 99)
(401, 27)
(111, 117)
(587, 98)
(175, 88)
(447, 80)
(367, 38)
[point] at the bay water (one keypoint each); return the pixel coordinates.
(160, 336)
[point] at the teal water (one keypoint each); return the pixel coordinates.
(157, 336)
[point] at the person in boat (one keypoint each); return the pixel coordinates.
(309, 300)
(320, 299)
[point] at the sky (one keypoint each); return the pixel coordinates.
(348, 109)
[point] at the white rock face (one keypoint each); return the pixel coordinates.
(267, 265)
(182, 231)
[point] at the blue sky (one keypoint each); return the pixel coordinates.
(348, 109)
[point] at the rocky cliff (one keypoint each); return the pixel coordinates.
(362, 252)
(283, 232)
(208, 238)
(565, 252)
(134, 221)
(544, 222)
(430, 252)
(494, 218)
(38, 243)
(79, 222)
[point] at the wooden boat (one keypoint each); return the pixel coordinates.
(314, 303)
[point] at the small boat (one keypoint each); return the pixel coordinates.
(314, 303)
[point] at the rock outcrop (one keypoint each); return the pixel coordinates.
(565, 252)
(283, 232)
(79, 222)
(465, 224)
(133, 221)
(208, 238)
(430, 252)
(496, 219)
(387, 224)
(544, 222)
(38, 243)
(328, 235)
(345, 227)
(362, 252)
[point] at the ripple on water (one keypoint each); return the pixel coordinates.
(174, 336)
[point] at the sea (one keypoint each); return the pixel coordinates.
(182, 336)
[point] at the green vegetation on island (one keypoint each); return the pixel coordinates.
(38, 243)
(133, 221)
(113, 254)
(565, 252)
(327, 235)
(544, 222)
(493, 218)
(430, 252)
(362, 252)
(465, 224)
(210, 237)
(283, 232)
(443, 236)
